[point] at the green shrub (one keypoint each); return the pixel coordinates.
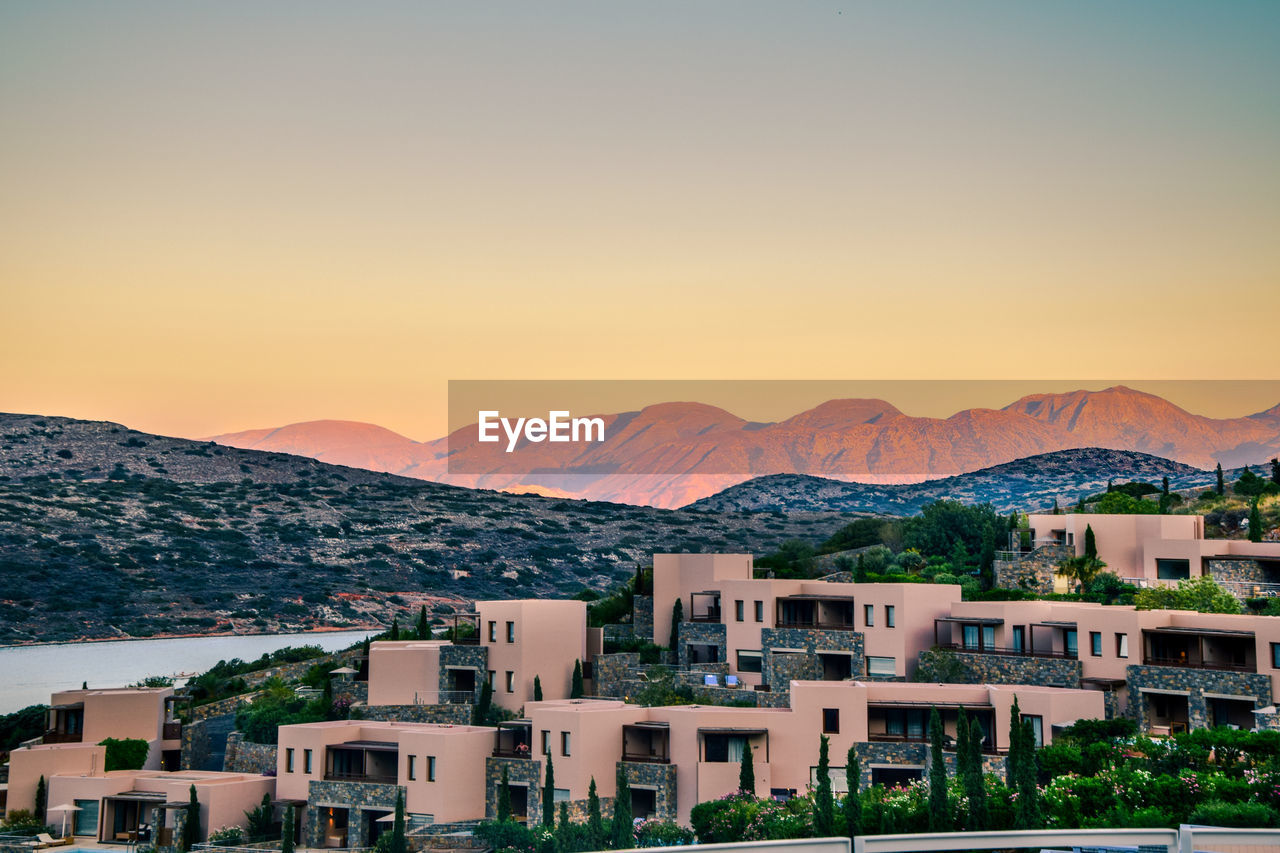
(125, 753)
(663, 833)
(1218, 813)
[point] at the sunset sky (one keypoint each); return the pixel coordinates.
(223, 216)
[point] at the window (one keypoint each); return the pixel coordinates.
(759, 611)
(431, 768)
(511, 632)
(1173, 570)
(1037, 728)
(890, 620)
(306, 761)
(288, 761)
(493, 632)
(1095, 643)
(546, 741)
(724, 749)
(869, 615)
(511, 682)
(1275, 655)
(1019, 637)
(750, 661)
(564, 743)
(413, 767)
(988, 636)
(559, 795)
(490, 676)
(831, 721)
(738, 610)
(1122, 645)
(1069, 640)
(885, 667)
(970, 634)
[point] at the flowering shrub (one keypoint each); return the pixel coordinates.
(662, 833)
(227, 836)
(742, 817)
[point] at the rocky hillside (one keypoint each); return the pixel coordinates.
(109, 532)
(1025, 484)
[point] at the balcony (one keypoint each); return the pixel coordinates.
(1010, 652)
(1183, 663)
(704, 607)
(372, 778)
(646, 743)
(815, 613)
(171, 731)
(1200, 648)
(62, 737)
(948, 743)
(513, 739)
(371, 762)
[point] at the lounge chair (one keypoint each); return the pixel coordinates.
(44, 840)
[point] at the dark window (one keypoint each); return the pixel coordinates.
(737, 610)
(1019, 637)
(431, 768)
(890, 620)
(564, 743)
(750, 661)
(546, 741)
(831, 721)
(1095, 643)
(511, 632)
(413, 767)
(1275, 655)
(1122, 645)
(1037, 728)
(1173, 570)
(306, 761)
(493, 632)
(759, 611)
(288, 757)
(869, 614)
(511, 681)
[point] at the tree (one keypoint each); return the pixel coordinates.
(191, 829)
(484, 705)
(747, 772)
(1221, 486)
(975, 790)
(395, 628)
(564, 830)
(1023, 770)
(549, 794)
(853, 799)
(939, 815)
(1165, 498)
(125, 753)
(288, 830)
(397, 828)
(622, 833)
(824, 807)
(1275, 470)
(1083, 570)
(1255, 522)
(42, 799)
(1013, 759)
(1090, 543)
(259, 820)
(1057, 510)
(537, 689)
(504, 797)
(1202, 594)
(423, 628)
(595, 824)
(677, 616)
(575, 686)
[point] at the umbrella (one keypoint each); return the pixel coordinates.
(345, 670)
(387, 818)
(64, 808)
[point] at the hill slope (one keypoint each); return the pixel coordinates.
(1024, 484)
(700, 450)
(109, 532)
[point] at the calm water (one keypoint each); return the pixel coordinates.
(28, 674)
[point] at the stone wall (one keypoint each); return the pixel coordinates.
(780, 669)
(661, 778)
(295, 671)
(354, 796)
(612, 671)
(475, 657)
(221, 707)
(245, 757)
(916, 754)
(521, 771)
(1196, 682)
(982, 668)
(1267, 719)
(700, 634)
(454, 715)
(642, 617)
(1034, 570)
(1241, 571)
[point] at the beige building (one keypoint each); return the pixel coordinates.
(530, 638)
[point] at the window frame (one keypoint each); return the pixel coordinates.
(831, 721)
(565, 744)
(431, 768)
(509, 678)
(868, 615)
(306, 761)
(1122, 645)
(411, 771)
(511, 632)
(288, 760)
(1095, 644)
(890, 616)
(759, 611)
(493, 631)
(739, 610)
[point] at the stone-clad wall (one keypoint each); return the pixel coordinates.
(642, 617)
(661, 778)
(295, 671)
(476, 657)
(355, 796)
(221, 707)
(245, 757)
(1238, 571)
(1012, 669)
(914, 754)
(702, 633)
(454, 715)
(779, 670)
(1032, 571)
(523, 771)
(611, 671)
(1196, 682)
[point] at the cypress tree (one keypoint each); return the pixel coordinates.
(747, 772)
(1221, 486)
(397, 828)
(975, 788)
(1014, 758)
(595, 824)
(504, 797)
(1275, 470)
(288, 830)
(549, 795)
(537, 689)
(1255, 522)
(860, 570)
(677, 616)
(480, 713)
(824, 807)
(1057, 510)
(622, 832)
(939, 819)
(575, 687)
(395, 627)
(42, 799)
(191, 829)
(1090, 543)
(563, 829)
(1027, 814)
(962, 742)
(853, 799)
(424, 628)
(1166, 499)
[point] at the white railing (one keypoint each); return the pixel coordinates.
(1240, 589)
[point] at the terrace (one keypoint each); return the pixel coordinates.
(66, 724)
(815, 612)
(646, 743)
(1200, 648)
(908, 722)
(704, 606)
(370, 761)
(513, 739)
(977, 636)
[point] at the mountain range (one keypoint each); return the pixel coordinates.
(673, 454)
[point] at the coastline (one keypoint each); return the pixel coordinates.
(167, 636)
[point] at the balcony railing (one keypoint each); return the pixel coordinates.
(62, 737)
(370, 778)
(948, 744)
(503, 752)
(1008, 652)
(708, 616)
(1188, 664)
(818, 626)
(171, 731)
(646, 758)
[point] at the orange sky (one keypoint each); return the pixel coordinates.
(224, 217)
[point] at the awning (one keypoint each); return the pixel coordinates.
(976, 620)
(1204, 632)
(372, 745)
(810, 596)
(1053, 623)
(141, 796)
(949, 706)
(732, 731)
(647, 724)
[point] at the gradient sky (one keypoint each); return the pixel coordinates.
(233, 215)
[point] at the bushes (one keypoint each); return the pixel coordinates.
(125, 753)
(663, 833)
(741, 817)
(1219, 813)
